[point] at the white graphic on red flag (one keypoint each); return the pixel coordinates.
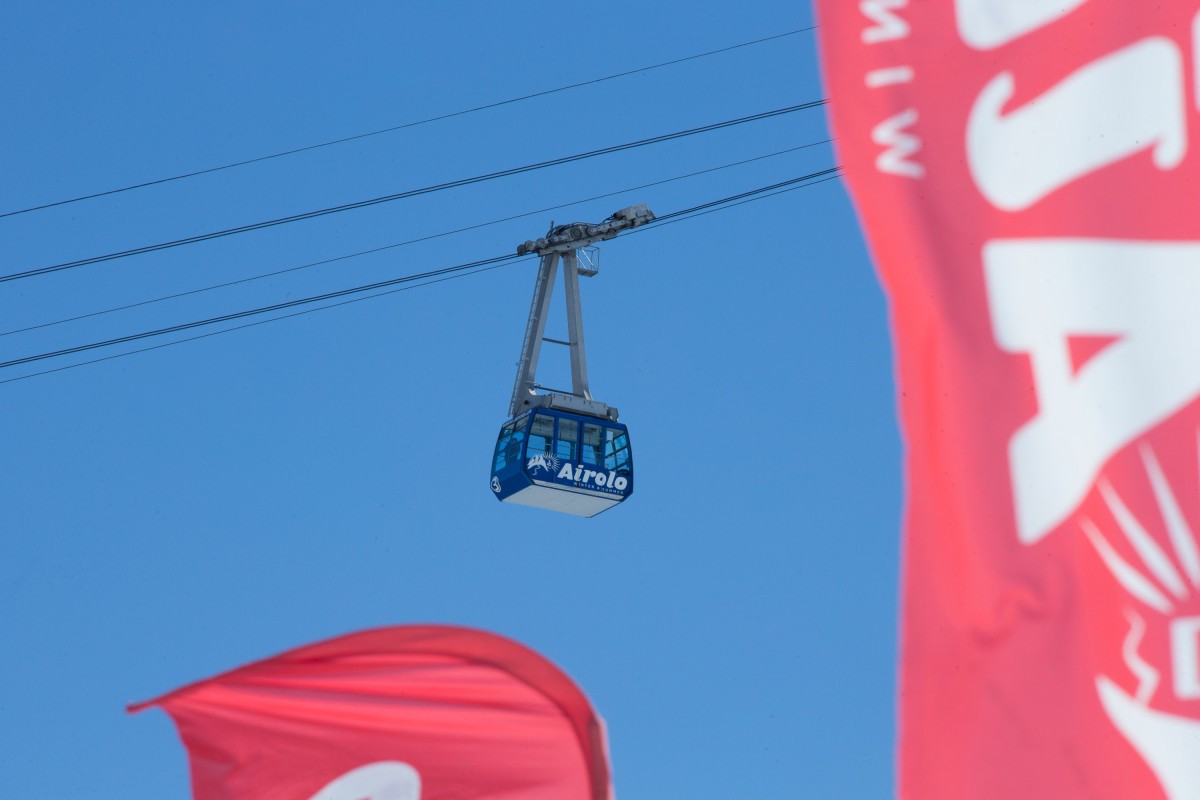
(1166, 580)
(383, 780)
(1042, 292)
(1023, 172)
(400, 713)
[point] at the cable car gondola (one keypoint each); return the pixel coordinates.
(564, 451)
(561, 461)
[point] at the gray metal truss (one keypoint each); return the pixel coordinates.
(563, 242)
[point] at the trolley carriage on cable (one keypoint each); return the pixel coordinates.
(564, 451)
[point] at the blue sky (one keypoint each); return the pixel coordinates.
(173, 514)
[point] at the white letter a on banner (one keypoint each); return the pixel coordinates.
(1041, 293)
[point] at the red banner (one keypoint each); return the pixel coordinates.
(406, 713)
(1025, 175)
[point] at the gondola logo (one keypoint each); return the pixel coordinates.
(609, 481)
(546, 462)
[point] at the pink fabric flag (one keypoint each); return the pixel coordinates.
(404, 713)
(1025, 173)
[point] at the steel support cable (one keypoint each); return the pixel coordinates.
(432, 236)
(832, 172)
(460, 270)
(133, 337)
(204, 237)
(711, 208)
(413, 124)
(256, 323)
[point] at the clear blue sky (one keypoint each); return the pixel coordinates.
(174, 514)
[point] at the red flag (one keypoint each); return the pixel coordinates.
(1029, 186)
(404, 713)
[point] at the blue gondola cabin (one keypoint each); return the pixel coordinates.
(552, 459)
